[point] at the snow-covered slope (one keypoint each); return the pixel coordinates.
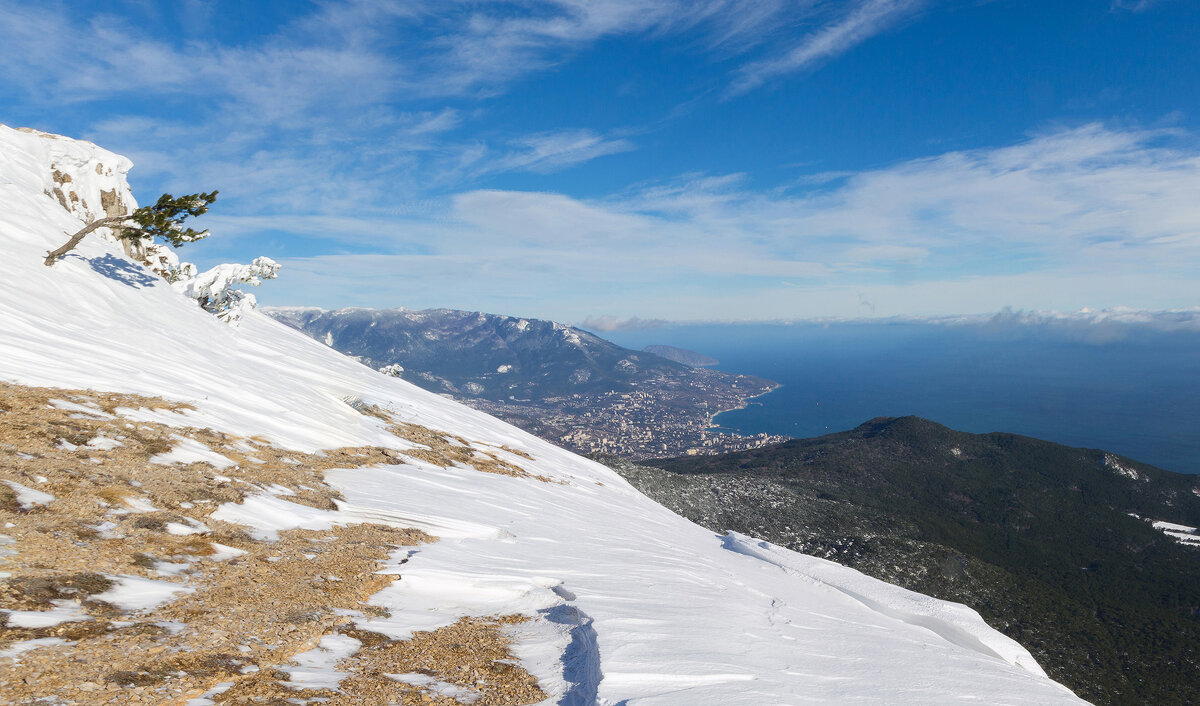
(631, 604)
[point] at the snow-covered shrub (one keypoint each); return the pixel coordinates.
(213, 289)
(393, 370)
(161, 260)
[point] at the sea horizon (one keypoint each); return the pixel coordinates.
(1137, 394)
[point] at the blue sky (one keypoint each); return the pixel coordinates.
(653, 159)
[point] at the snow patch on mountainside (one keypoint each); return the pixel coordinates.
(1183, 534)
(1122, 469)
(627, 602)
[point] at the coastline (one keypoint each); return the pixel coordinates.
(742, 404)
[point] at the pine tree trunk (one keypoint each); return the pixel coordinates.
(54, 255)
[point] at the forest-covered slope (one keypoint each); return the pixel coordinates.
(1041, 539)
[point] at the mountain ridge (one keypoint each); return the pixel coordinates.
(491, 341)
(557, 381)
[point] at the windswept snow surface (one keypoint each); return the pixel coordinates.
(16, 649)
(134, 593)
(28, 497)
(188, 450)
(1171, 526)
(317, 668)
(631, 604)
(439, 688)
(1183, 534)
(64, 611)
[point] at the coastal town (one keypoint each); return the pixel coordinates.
(558, 382)
(660, 418)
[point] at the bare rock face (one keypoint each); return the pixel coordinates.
(112, 204)
(86, 180)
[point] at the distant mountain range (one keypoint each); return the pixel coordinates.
(1053, 545)
(560, 382)
(682, 355)
(473, 354)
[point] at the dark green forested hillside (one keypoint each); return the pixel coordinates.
(1037, 537)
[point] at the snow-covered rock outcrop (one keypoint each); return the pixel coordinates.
(629, 604)
(86, 180)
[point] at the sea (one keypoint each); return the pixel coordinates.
(1131, 390)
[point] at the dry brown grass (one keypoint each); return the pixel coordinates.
(471, 654)
(245, 616)
(449, 450)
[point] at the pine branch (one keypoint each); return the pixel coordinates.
(162, 220)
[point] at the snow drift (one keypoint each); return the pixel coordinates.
(631, 604)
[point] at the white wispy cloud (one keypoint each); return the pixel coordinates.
(547, 152)
(360, 108)
(317, 113)
(604, 324)
(353, 53)
(886, 253)
(288, 80)
(485, 45)
(1133, 5)
(1092, 213)
(493, 43)
(312, 116)
(860, 22)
